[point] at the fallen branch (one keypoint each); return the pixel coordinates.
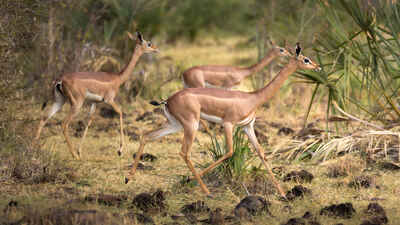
(355, 118)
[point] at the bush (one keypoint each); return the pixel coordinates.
(21, 163)
(237, 165)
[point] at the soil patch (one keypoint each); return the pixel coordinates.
(251, 206)
(69, 216)
(376, 213)
(362, 182)
(133, 135)
(150, 203)
(285, 131)
(297, 191)
(295, 221)
(195, 207)
(108, 113)
(306, 219)
(335, 171)
(145, 116)
(10, 207)
(259, 184)
(376, 220)
(388, 166)
(79, 127)
(146, 157)
(301, 176)
(343, 210)
(216, 217)
(141, 166)
(141, 218)
(104, 199)
(261, 137)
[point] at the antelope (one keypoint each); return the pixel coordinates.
(94, 87)
(184, 109)
(227, 77)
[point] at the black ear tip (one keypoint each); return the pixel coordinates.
(139, 35)
(298, 48)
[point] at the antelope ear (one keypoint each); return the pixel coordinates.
(139, 36)
(130, 35)
(271, 42)
(298, 49)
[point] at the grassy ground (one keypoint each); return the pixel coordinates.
(101, 171)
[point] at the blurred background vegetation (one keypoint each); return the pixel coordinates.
(356, 42)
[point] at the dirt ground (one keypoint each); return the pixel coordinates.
(345, 190)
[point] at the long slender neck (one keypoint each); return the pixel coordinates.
(271, 55)
(264, 94)
(124, 75)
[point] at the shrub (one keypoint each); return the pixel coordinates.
(237, 165)
(21, 163)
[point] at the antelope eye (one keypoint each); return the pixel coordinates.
(149, 44)
(307, 61)
(281, 50)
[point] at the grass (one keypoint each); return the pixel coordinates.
(102, 171)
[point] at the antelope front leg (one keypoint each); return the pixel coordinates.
(74, 111)
(121, 140)
(249, 130)
(188, 138)
(91, 112)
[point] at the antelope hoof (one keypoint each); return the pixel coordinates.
(126, 180)
(119, 152)
(210, 196)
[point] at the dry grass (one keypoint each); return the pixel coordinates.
(101, 171)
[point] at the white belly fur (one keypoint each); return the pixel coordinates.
(93, 97)
(219, 120)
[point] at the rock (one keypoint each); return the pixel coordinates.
(150, 203)
(297, 191)
(79, 128)
(295, 221)
(299, 176)
(108, 113)
(146, 157)
(343, 210)
(307, 215)
(377, 214)
(250, 206)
